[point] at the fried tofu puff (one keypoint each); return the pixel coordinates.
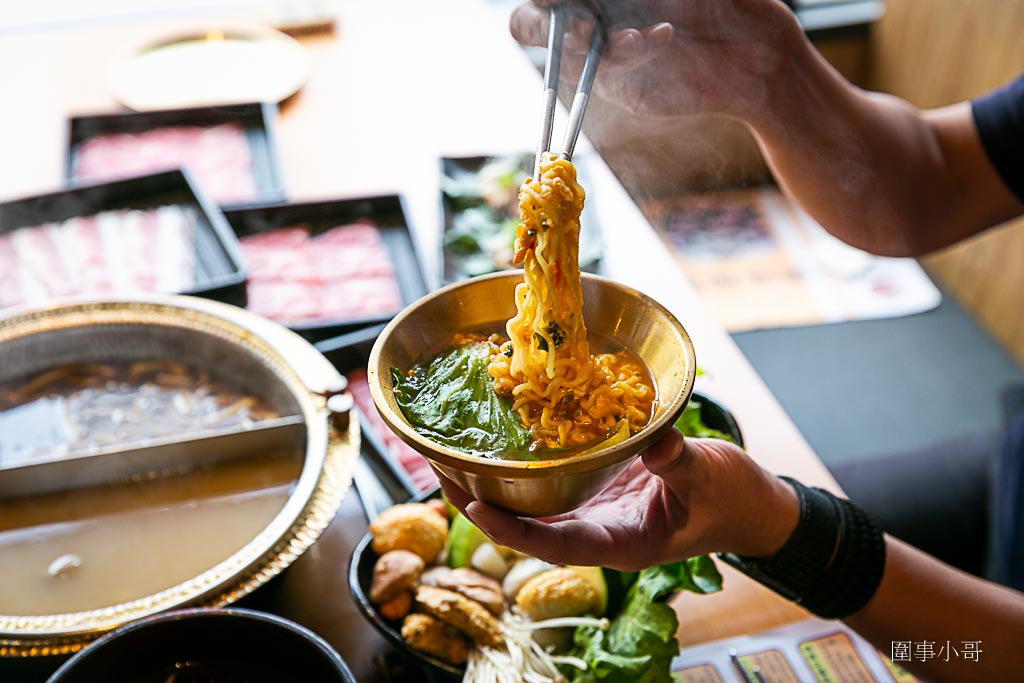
(427, 634)
(559, 592)
(411, 526)
(467, 615)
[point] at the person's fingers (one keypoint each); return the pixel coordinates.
(666, 456)
(552, 539)
(632, 47)
(690, 464)
(575, 43)
(529, 24)
(577, 36)
(624, 45)
(454, 493)
(562, 542)
(658, 36)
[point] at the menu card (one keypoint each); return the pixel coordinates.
(759, 261)
(811, 650)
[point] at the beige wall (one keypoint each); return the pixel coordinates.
(934, 52)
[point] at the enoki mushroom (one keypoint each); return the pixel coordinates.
(522, 658)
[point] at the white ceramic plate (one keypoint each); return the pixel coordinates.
(213, 67)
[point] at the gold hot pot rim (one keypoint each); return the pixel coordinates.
(316, 495)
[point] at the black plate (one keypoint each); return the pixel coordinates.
(386, 212)
(267, 646)
(257, 119)
(220, 273)
(466, 169)
(360, 572)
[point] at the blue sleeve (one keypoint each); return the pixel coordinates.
(1007, 537)
(999, 118)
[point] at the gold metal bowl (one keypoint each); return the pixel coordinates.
(612, 311)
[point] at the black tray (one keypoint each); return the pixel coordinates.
(258, 120)
(220, 273)
(456, 168)
(350, 352)
(386, 212)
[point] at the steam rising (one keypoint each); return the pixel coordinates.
(649, 121)
(668, 120)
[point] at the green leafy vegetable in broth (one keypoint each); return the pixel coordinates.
(640, 643)
(452, 401)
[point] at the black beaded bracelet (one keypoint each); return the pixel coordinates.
(833, 562)
(857, 570)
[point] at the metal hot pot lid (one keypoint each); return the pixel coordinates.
(286, 371)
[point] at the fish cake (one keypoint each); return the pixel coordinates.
(411, 526)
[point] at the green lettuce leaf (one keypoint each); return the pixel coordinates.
(640, 643)
(452, 401)
(697, 575)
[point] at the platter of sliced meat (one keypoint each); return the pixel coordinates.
(228, 151)
(323, 268)
(146, 234)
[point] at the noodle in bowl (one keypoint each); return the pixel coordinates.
(565, 395)
(613, 312)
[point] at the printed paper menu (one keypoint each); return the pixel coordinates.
(812, 651)
(759, 261)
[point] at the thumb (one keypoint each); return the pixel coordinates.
(668, 457)
(529, 25)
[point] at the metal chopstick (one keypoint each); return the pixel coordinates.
(556, 35)
(752, 676)
(552, 66)
(579, 101)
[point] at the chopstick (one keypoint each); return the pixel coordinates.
(552, 66)
(752, 676)
(372, 495)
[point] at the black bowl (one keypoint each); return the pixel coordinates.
(360, 570)
(211, 645)
(360, 574)
(716, 416)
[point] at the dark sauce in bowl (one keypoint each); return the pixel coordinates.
(220, 671)
(208, 646)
